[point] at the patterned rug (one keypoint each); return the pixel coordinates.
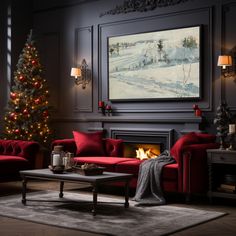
(112, 218)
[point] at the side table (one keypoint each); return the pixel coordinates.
(220, 163)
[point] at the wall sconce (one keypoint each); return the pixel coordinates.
(225, 61)
(81, 74)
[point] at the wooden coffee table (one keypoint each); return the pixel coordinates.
(95, 181)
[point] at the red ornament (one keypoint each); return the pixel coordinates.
(22, 78)
(16, 131)
(37, 85)
(25, 112)
(13, 116)
(13, 96)
(33, 62)
(45, 113)
(37, 101)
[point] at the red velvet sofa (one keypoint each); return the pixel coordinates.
(16, 155)
(188, 175)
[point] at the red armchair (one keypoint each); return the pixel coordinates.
(16, 155)
(188, 175)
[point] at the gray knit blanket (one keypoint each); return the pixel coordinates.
(148, 191)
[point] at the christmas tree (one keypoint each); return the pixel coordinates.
(27, 117)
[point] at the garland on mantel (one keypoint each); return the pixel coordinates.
(141, 6)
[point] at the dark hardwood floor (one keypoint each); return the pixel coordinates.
(224, 226)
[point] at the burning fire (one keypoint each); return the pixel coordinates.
(142, 154)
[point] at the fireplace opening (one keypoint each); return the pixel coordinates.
(142, 150)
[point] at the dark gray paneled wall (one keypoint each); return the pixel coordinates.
(71, 30)
(83, 33)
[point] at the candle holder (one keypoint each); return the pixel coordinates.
(231, 141)
(108, 110)
(103, 110)
(101, 106)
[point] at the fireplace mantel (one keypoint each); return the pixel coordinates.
(127, 119)
(188, 123)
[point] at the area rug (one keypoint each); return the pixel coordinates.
(112, 218)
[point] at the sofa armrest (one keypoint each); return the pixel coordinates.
(68, 145)
(195, 175)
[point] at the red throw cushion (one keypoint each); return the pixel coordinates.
(114, 147)
(89, 144)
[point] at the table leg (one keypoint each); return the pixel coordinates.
(94, 210)
(61, 189)
(210, 182)
(127, 194)
(24, 183)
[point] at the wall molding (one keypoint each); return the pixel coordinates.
(141, 6)
(56, 106)
(131, 119)
(77, 59)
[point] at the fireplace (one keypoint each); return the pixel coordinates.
(155, 140)
(142, 150)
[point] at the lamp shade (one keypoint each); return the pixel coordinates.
(224, 60)
(76, 72)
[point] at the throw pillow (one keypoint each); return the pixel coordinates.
(89, 144)
(114, 147)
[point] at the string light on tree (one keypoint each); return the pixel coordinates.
(27, 117)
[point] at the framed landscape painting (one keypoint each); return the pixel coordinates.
(155, 65)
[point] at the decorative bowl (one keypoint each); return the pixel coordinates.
(89, 172)
(57, 169)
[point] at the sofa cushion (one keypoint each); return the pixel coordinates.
(9, 158)
(129, 167)
(170, 172)
(89, 144)
(12, 164)
(108, 162)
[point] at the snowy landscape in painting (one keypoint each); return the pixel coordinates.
(153, 65)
